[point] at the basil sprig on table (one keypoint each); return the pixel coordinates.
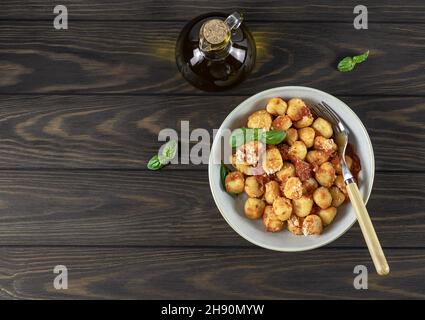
(169, 151)
(348, 63)
(154, 163)
(244, 135)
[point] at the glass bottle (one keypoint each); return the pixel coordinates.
(214, 52)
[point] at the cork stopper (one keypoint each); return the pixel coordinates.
(215, 31)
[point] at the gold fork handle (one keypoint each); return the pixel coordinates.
(369, 233)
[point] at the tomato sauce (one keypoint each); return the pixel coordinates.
(302, 169)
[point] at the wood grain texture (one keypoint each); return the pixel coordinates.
(172, 208)
(144, 273)
(267, 10)
(125, 57)
(122, 132)
(80, 111)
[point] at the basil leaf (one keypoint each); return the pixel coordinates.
(169, 150)
(241, 136)
(362, 57)
(224, 171)
(275, 136)
(347, 64)
(154, 163)
(244, 135)
(163, 160)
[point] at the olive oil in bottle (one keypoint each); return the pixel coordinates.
(214, 53)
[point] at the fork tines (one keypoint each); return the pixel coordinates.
(325, 111)
(331, 114)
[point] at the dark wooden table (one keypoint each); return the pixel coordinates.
(80, 110)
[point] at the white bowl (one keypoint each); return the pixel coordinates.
(231, 208)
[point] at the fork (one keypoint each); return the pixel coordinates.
(341, 136)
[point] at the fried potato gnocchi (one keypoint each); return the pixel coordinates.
(240, 166)
(296, 184)
(298, 150)
(326, 174)
(338, 196)
(282, 123)
(282, 207)
(273, 160)
(260, 119)
(250, 152)
(327, 215)
(295, 224)
(271, 221)
(235, 182)
(306, 120)
(297, 109)
(307, 135)
(312, 225)
(276, 107)
(316, 157)
(309, 186)
(287, 171)
(291, 136)
(322, 197)
(272, 191)
(326, 145)
(302, 206)
(254, 208)
(253, 188)
(322, 127)
(293, 188)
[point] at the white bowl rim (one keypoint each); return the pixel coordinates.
(313, 246)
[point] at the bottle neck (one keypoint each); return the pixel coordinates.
(214, 39)
(217, 54)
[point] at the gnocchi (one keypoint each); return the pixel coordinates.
(312, 225)
(309, 186)
(302, 206)
(291, 136)
(282, 123)
(322, 197)
(307, 135)
(272, 191)
(260, 119)
(316, 157)
(287, 171)
(293, 188)
(305, 121)
(297, 109)
(322, 127)
(273, 160)
(295, 224)
(338, 196)
(326, 145)
(298, 150)
(327, 215)
(296, 184)
(276, 107)
(253, 188)
(271, 221)
(282, 207)
(325, 175)
(254, 208)
(235, 182)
